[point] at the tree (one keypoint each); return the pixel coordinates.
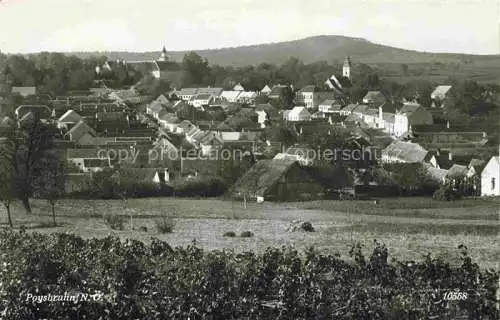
(7, 185)
(51, 182)
(27, 148)
(195, 69)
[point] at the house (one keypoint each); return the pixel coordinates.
(277, 180)
(230, 96)
(297, 114)
(68, 119)
(95, 165)
(405, 152)
(261, 118)
(348, 110)
(203, 99)
(213, 91)
(184, 127)
(374, 98)
(266, 90)
(209, 142)
(330, 106)
(186, 94)
(388, 122)
(81, 133)
(277, 91)
(162, 99)
(157, 176)
(154, 109)
(169, 121)
(38, 111)
(410, 115)
(89, 159)
(490, 178)
(436, 174)
(247, 97)
(306, 96)
(440, 94)
(311, 97)
(304, 155)
(238, 87)
(457, 175)
(24, 91)
(475, 168)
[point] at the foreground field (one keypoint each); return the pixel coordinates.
(409, 227)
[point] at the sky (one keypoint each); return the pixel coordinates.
(465, 26)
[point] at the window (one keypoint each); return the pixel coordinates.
(492, 183)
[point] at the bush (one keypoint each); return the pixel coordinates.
(165, 225)
(246, 234)
(230, 234)
(115, 222)
(446, 193)
(297, 225)
(152, 281)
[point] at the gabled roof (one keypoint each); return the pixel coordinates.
(6, 122)
(374, 96)
(202, 96)
(155, 107)
(296, 111)
(186, 125)
(276, 90)
(350, 107)
(70, 117)
(80, 129)
(408, 109)
(238, 87)
(111, 116)
(262, 176)
(24, 91)
(82, 153)
(42, 111)
(169, 118)
(331, 103)
(437, 174)
(457, 170)
(210, 91)
(440, 91)
(308, 89)
(230, 95)
(477, 164)
(406, 151)
(266, 89)
(96, 163)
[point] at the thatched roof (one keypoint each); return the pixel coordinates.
(262, 177)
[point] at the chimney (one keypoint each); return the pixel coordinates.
(448, 124)
(450, 156)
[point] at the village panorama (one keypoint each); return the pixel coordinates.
(162, 188)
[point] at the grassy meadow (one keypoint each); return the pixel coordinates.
(410, 227)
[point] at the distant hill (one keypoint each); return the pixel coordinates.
(312, 49)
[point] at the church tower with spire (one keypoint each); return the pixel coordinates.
(163, 56)
(346, 69)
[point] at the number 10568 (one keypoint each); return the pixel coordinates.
(455, 295)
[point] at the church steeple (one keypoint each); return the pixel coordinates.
(346, 69)
(163, 56)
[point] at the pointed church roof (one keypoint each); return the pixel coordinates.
(347, 61)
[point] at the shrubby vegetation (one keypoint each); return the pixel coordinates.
(155, 281)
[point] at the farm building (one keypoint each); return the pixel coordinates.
(490, 178)
(277, 180)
